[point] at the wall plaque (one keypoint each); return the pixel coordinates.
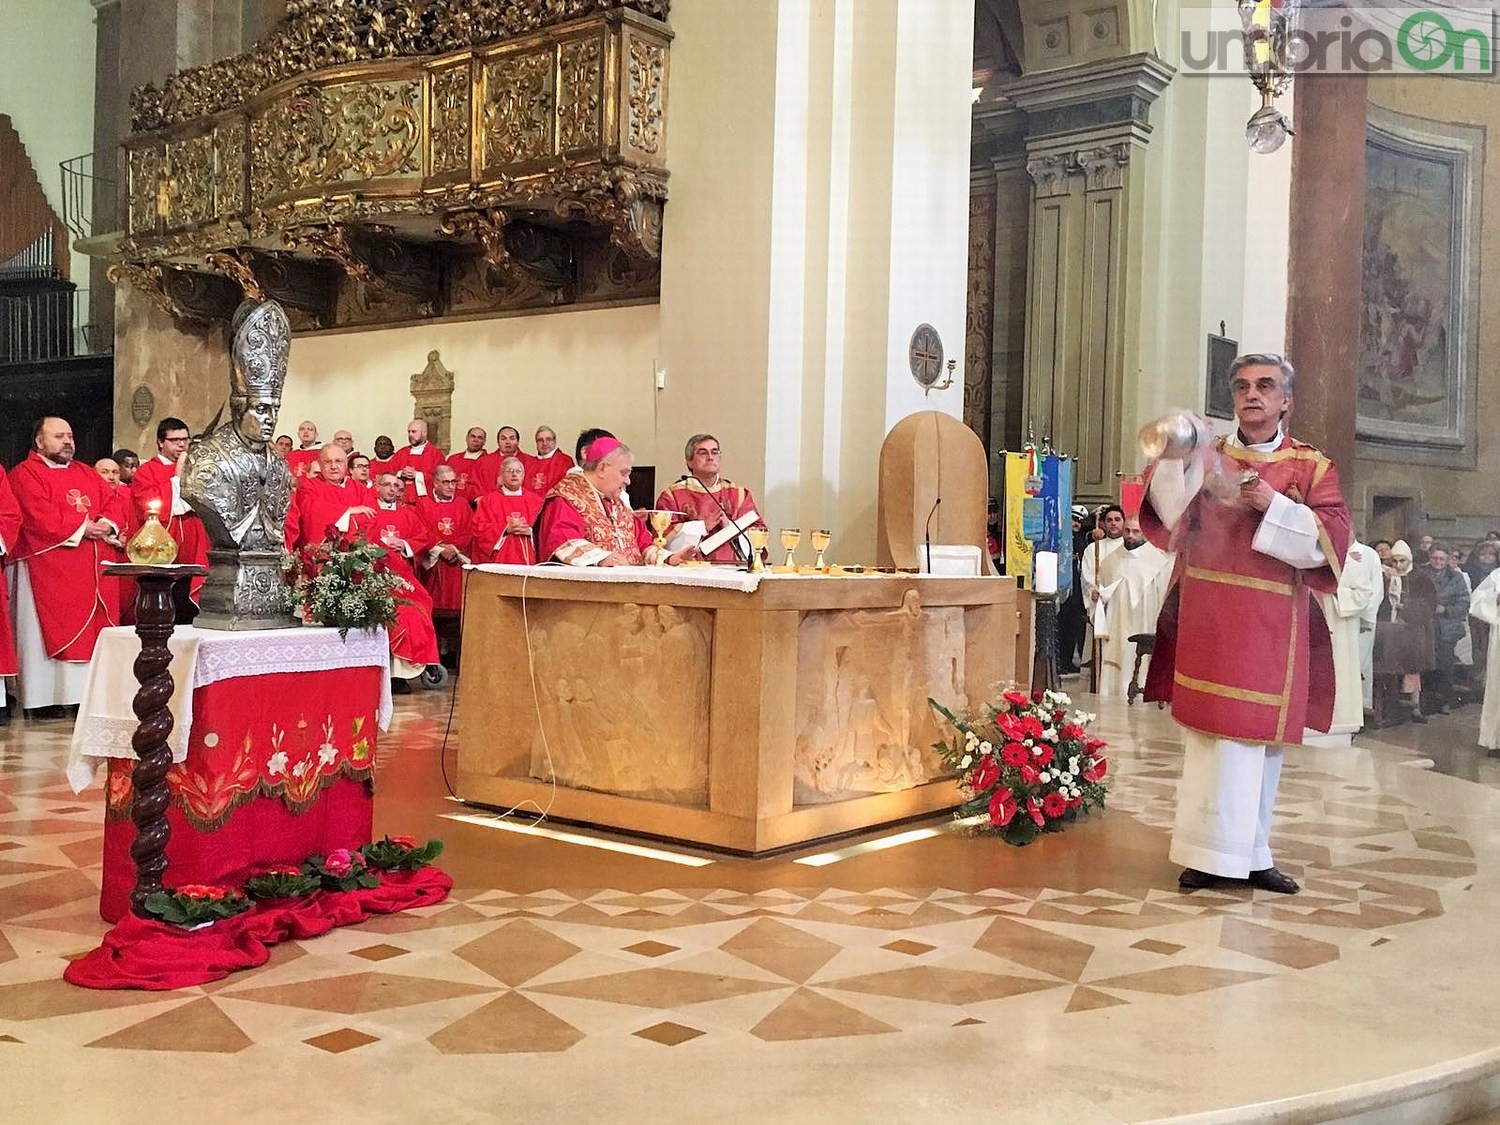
(142, 405)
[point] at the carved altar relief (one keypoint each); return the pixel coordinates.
(637, 723)
(863, 680)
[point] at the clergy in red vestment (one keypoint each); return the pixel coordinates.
(448, 530)
(302, 459)
(109, 468)
(585, 520)
(702, 494)
(158, 488)
(475, 469)
(70, 525)
(504, 522)
(360, 474)
(507, 444)
(548, 465)
(1258, 523)
(416, 462)
(10, 531)
(384, 458)
(330, 499)
(397, 527)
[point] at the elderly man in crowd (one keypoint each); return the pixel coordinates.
(586, 521)
(548, 465)
(449, 537)
(397, 527)
(70, 526)
(504, 522)
(1451, 622)
(329, 500)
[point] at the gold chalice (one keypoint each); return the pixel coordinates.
(790, 537)
(759, 537)
(820, 540)
(661, 522)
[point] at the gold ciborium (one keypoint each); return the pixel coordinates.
(820, 540)
(790, 537)
(661, 522)
(759, 537)
(152, 545)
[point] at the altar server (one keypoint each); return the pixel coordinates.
(1133, 582)
(1484, 605)
(504, 524)
(702, 494)
(1351, 614)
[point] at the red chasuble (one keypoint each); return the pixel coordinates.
(424, 461)
(317, 504)
(1241, 652)
(492, 544)
(476, 474)
(10, 533)
(698, 503)
(448, 522)
(412, 636)
(153, 482)
(377, 466)
(575, 513)
(73, 598)
(300, 461)
(542, 473)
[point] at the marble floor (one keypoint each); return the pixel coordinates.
(949, 974)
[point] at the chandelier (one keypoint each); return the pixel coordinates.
(1267, 27)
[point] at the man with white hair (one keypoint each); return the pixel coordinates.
(449, 536)
(398, 528)
(548, 465)
(504, 524)
(345, 441)
(331, 499)
(416, 463)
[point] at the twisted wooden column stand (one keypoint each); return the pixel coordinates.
(154, 618)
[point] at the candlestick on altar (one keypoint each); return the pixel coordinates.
(154, 617)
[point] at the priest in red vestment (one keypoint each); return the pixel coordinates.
(702, 494)
(448, 532)
(586, 522)
(70, 525)
(10, 531)
(397, 527)
(302, 459)
(158, 488)
(504, 523)
(360, 473)
(384, 458)
(1258, 524)
(416, 462)
(475, 468)
(329, 500)
(548, 465)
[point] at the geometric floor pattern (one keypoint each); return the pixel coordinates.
(499, 970)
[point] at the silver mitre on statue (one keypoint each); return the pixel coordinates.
(238, 484)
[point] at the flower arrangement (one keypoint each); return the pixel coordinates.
(345, 586)
(196, 904)
(1027, 763)
(282, 882)
(400, 853)
(341, 870)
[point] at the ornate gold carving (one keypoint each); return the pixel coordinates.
(518, 109)
(144, 279)
(192, 164)
(645, 94)
(628, 203)
(980, 312)
(332, 242)
(235, 265)
(316, 34)
(449, 110)
(351, 132)
(229, 164)
(146, 168)
(487, 227)
(581, 87)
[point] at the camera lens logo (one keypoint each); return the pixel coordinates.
(1428, 41)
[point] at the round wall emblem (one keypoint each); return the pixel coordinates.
(142, 405)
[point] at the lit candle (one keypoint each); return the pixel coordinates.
(1046, 572)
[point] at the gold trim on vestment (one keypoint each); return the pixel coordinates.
(1325, 541)
(1291, 675)
(1225, 691)
(1269, 585)
(1290, 454)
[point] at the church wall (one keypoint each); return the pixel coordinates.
(567, 370)
(1462, 503)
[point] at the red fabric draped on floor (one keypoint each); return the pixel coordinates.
(149, 954)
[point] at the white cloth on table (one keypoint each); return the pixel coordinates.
(1224, 805)
(106, 720)
(722, 578)
(1484, 604)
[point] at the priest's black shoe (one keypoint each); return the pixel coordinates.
(1192, 879)
(1270, 879)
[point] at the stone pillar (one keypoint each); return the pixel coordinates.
(1085, 149)
(162, 368)
(432, 391)
(1326, 238)
(812, 238)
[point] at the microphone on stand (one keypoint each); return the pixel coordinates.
(930, 514)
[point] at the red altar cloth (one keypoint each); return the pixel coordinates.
(279, 767)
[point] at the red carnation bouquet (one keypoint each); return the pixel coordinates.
(1027, 763)
(344, 586)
